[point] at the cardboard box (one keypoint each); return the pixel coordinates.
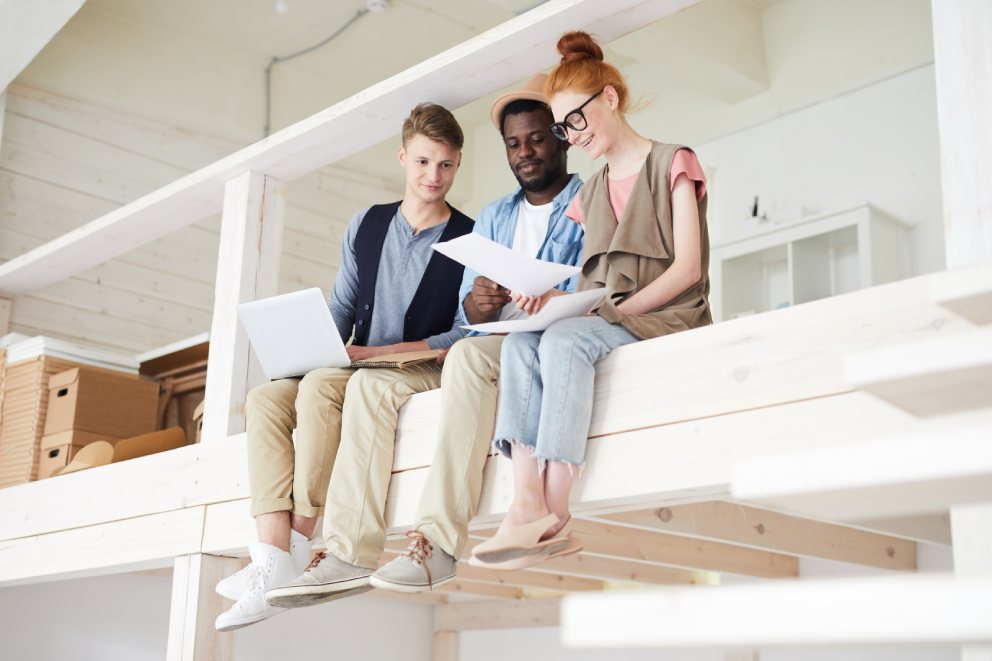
(22, 418)
(100, 402)
(58, 449)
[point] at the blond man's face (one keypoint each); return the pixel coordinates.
(430, 168)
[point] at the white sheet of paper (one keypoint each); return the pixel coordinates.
(556, 309)
(520, 273)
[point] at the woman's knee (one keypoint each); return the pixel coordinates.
(519, 346)
(570, 338)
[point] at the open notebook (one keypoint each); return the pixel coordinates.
(400, 360)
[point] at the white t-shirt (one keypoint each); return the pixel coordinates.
(532, 228)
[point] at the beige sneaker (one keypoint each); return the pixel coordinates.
(326, 579)
(421, 567)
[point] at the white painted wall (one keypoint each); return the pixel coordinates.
(126, 618)
(877, 144)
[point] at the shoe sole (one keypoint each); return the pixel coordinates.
(250, 621)
(512, 553)
(383, 584)
(574, 545)
(310, 595)
(228, 595)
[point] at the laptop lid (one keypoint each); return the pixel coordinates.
(293, 334)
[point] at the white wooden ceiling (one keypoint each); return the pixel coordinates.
(723, 38)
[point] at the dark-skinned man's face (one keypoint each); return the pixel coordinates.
(536, 158)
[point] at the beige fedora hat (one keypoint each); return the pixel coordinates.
(533, 89)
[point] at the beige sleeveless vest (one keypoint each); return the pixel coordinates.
(626, 257)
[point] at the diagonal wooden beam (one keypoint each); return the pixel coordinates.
(482, 590)
(682, 552)
(773, 531)
(528, 579)
(592, 566)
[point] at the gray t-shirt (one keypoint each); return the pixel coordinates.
(402, 264)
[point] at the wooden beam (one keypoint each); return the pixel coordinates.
(680, 552)
(971, 526)
(962, 48)
(25, 28)
(475, 615)
(145, 542)
(764, 529)
(185, 477)
(927, 378)
(195, 606)
(912, 609)
(592, 566)
(247, 269)
(932, 528)
(943, 464)
(481, 590)
(446, 646)
(5, 305)
(528, 579)
(506, 53)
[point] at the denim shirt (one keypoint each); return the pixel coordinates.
(563, 243)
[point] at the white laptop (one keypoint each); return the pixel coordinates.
(293, 334)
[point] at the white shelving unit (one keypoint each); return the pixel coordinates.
(822, 256)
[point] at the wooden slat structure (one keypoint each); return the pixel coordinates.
(664, 500)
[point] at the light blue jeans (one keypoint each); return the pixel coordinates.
(546, 385)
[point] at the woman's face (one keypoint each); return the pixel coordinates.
(596, 136)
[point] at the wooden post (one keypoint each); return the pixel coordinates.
(247, 269)
(5, 306)
(195, 606)
(962, 44)
(446, 646)
(3, 108)
(971, 532)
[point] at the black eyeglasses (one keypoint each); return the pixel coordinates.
(574, 119)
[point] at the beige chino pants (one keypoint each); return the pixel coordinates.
(287, 477)
(354, 517)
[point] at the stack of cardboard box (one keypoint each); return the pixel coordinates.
(22, 420)
(27, 368)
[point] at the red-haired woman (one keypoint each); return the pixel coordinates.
(646, 243)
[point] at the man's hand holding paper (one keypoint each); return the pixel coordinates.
(521, 274)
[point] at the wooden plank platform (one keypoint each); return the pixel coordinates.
(735, 392)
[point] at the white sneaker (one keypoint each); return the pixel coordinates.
(270, 567)
(233, 586)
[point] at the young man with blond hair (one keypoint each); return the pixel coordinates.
(392, 294)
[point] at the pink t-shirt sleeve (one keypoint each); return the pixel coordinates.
(685, 162)
(574, 211)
